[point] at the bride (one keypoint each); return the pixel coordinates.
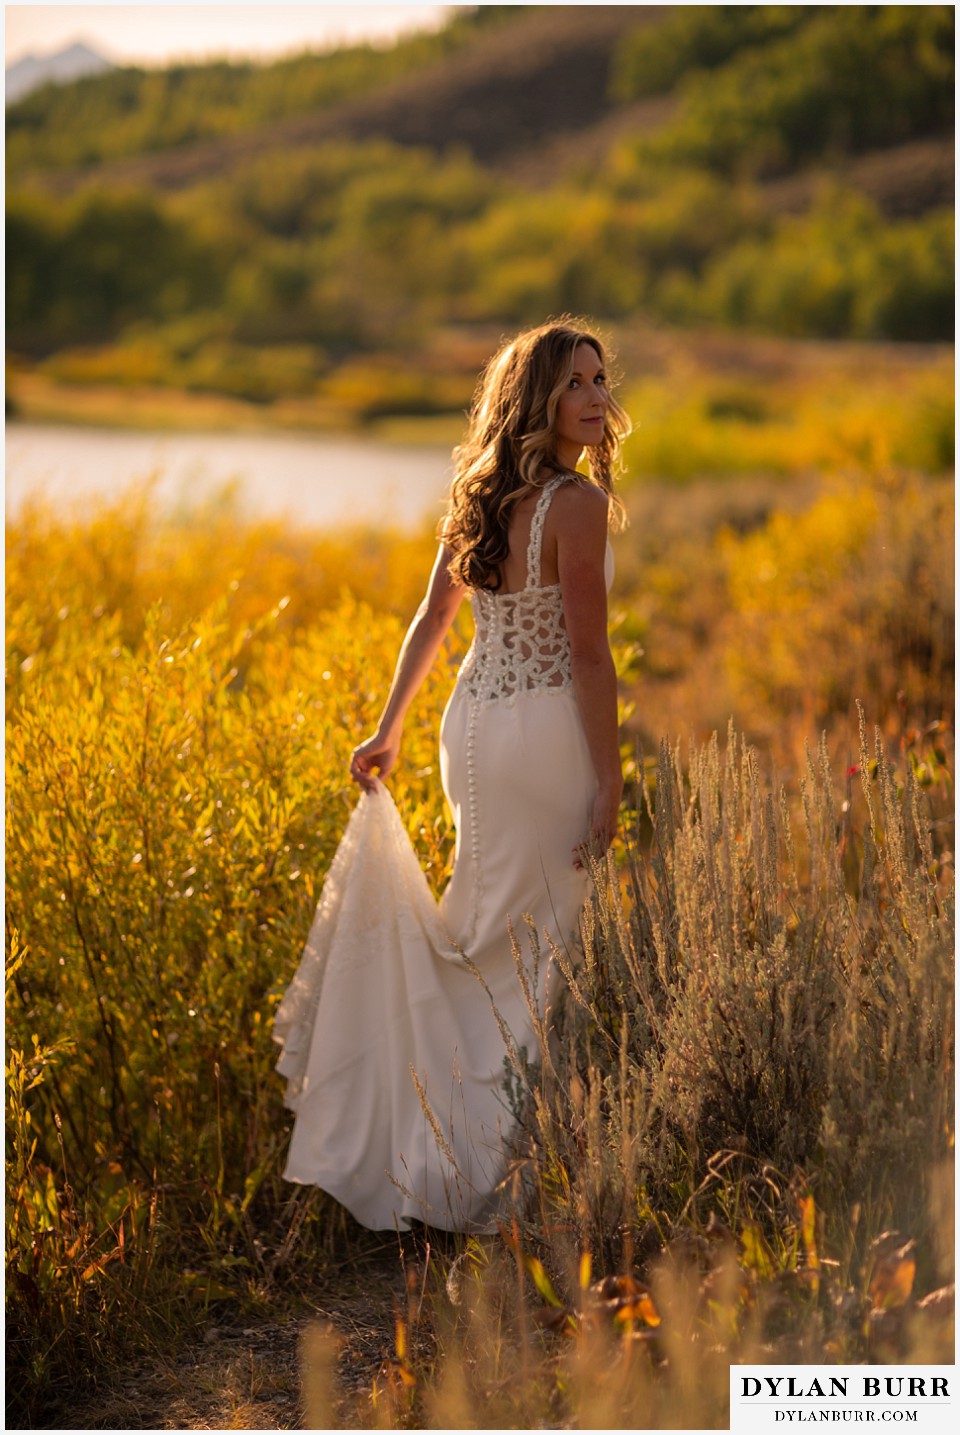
(396, 1026)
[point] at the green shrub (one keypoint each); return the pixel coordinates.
(839, 271)
(853, 78)
(82, 269)
(696, 37)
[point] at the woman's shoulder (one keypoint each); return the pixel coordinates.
(579, 499)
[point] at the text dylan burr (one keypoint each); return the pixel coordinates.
(882, 1387)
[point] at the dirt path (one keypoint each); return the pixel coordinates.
(245, 1373)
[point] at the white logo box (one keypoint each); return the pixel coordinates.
(765, 1398)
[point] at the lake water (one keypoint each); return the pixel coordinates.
(317, 481)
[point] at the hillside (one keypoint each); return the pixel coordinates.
(249, 230)
(497, 99)
(903, 181)
(522, 83)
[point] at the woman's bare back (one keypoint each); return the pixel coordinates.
(513, 571)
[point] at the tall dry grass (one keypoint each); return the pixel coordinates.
(761, 1016)
(766, 984)
(741, 1121)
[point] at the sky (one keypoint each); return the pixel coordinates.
(156, 34)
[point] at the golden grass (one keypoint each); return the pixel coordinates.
(762, 998)
(718, 404)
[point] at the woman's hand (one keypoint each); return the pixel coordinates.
(420, 646)
(603, 822)
(377, 752)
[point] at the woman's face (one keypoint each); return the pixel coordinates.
(582, 407)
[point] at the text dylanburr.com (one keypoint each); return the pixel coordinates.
(784, 1397)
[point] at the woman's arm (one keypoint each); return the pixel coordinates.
(420, 647)
(581, 527)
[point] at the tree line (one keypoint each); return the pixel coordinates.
(351, 246)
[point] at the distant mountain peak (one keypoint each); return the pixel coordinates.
(73, 62)
(80, 47)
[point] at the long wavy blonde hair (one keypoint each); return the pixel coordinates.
(510, 447)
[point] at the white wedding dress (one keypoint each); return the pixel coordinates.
(383, 1002)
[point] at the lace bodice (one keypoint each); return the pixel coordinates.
(521, 641)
